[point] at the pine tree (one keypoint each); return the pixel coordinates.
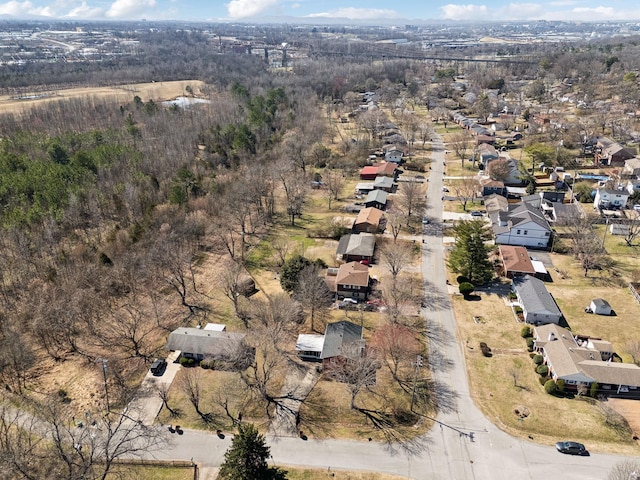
(247, 457)
(470, 255)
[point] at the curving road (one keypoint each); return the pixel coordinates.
(464, 445)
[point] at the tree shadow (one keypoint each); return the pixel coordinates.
(434, 299)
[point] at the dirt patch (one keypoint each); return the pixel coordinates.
(158, 91)
(630, 410)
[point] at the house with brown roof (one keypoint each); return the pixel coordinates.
(386, 169)
(516, 261)
(609, 152)
(583, 361)
(369, 220)
(351, 280)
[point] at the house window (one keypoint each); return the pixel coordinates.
(518, 232)
(525, 232)
(546, 234)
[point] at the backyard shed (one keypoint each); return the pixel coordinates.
(600, 307)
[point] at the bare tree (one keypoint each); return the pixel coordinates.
(465, 190)
(425, 132)
(395, 220)
(460, 143)
(161, 389)
(356, 367)
(314, 294)
(499, 169)
(130, 331)
(296, 187)
(586, 246)
(395, 256)
(411, 200)
(231, 283)
(334, 183)
(625, 470)
(397, 346)
(634, 230)
(633, 347)
(281, 247)
(189, 383)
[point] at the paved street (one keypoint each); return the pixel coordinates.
(464, 445)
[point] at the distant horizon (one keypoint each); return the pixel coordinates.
(329, 11)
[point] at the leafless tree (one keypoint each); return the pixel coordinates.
(395, 257)
(633, 347)
(634, 230)
(296, 187)
(278, 318)
(129, 330)
(586, 246)
(625, 470)
(411, 200)
(425, 132)
(395, 220)
(356, 367)
(161, 389)
(465, 190)
(189, 382)
(397, 346)
(334, 183)
(314, 294)
(499, 169)
(231, 283)
(460, 143)
(400, 297)
(281, 247)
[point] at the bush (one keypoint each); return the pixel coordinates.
(187, 362)
(526, 332)
(517, 309)
(486, 351)
(462, 279)
(560, 385)
(542, 380)
(593, 390)
(466, 288)
(538, 359)
(542, 370)
(530, 344)
(550, 387)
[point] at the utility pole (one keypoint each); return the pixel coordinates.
(418, 364)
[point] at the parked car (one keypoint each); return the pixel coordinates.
(425, 221)
(158, 367)
(445, 189)
(476, 213)
(571, 448)
(636, 207)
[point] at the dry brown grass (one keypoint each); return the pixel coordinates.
(159, 91)
(295, 473)
(492, 379)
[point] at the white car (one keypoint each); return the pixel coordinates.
(636, 207)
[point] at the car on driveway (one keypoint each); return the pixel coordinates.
(476, 213)
(425, 221)
(158, 367)
(445, 189)
(571, 448)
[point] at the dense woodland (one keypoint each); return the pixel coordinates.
(107, 209)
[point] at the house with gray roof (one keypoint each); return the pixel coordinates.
(200, 343)
(609, 199)
(356, 247)
(522, 224)
(538, 306)
(383, 183)
(583, 361)
(341, 339)
(376, 199)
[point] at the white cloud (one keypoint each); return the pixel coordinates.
(523, 11)
(357, 13)
(128, 9)
(465, 12)
(21, 8)
(249, 8)
(85, 11)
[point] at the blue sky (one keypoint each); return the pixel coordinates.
(237, 10)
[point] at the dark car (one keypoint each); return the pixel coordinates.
(571, 448)
(158, 367)
(476, 213)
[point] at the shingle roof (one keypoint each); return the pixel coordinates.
(338, 335)
(516, 259)
(383, 182)
(534, 295)
(379, 196)
(204, 342)
(370, 215)
(353, 273)
(362, 244)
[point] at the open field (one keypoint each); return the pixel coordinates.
(506, 382)
(159, 91)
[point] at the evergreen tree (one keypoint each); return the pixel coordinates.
(247, 457)
(291, 272)
(470, 256)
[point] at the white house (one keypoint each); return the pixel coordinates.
(522, 225)
(394, 155)
(633, 186)
(609, 199)
(538, 306)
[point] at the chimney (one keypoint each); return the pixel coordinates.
(552, 336)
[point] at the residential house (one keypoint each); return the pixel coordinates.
(485, 139)
(383, 183)
(486, 153)
(583, 361)
(522, 224)
(356, 248)
(612, 153)
(491, 187)
(495, 203)
(386, 169)
(516, 261)
(608, 199)
(538, 306)
(341, 339)
(199, 344)
(364, 187)
(369, 172)
(632, 167)
(351, 281)
(369, 220)
(561, 213)
(394, 155)
(633, 186)
(376, 199)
